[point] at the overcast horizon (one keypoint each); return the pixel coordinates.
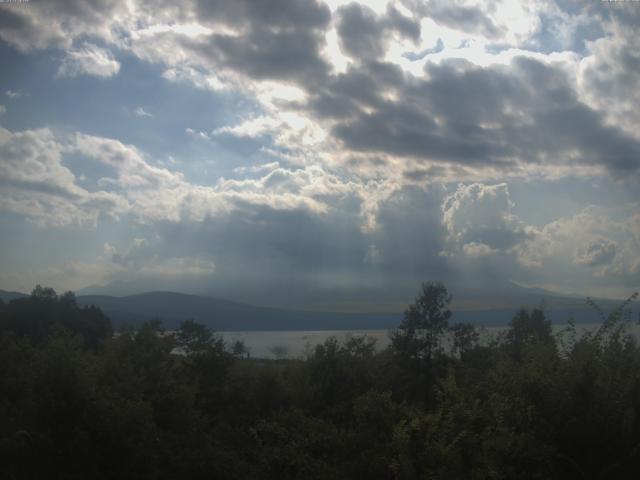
(327, 154)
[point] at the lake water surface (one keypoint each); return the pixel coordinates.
(297, 344)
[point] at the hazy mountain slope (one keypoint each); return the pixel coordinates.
(6, 296)
(480, 308)
(172, 308)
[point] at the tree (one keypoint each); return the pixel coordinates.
(465, 337)
(416, 344)
(338, 372)
(528, 327)
(44, 293)
(280, 352)
(194, 337)
(44, 312)
(417, 339)
(239, 349)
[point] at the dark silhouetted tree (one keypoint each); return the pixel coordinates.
(417, 343)
(194, 337)
(239, 349)
(528, 327)
(465, 337)
(417, 340)
(35, 317)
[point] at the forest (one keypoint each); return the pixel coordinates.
(78, 400)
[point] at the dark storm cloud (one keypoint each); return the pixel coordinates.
(363, 34)
(11, 20)
(527, 111)
(264, 54)
(407, 27)
(360, 32)
(559, 130)
(40, 24)
(298, 14)
(344, 95)
(406, 131)
(463, 94)
(277, 39)
(422, 174)
(561, 123)
(435, 119)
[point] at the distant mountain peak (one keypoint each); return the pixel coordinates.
(7, 296)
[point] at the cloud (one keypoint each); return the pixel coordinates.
(479, 219)
(360, 32)
(37, 184)
(261, 41)
(148, 269)
(477, 119)
(609, 77)
(130, 256)
(596, 253)
(89, 60)
(594, 250)
(256, 127)
(303, 225)
(364, 36)
(141, 112)
(374, 160)
(45, 24)
(513, 119)
(477, 250)
(178, 267)
(460, 16)
(14, 93)
(409, 235)
(141, 259)
(595, 242)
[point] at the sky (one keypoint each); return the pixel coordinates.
(320, 154)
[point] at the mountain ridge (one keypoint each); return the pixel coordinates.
(228, 315)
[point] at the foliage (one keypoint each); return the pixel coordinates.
(417, 339)
(36, 316)
(79, 402)
(417, 343)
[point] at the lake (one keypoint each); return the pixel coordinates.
(297, 344)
